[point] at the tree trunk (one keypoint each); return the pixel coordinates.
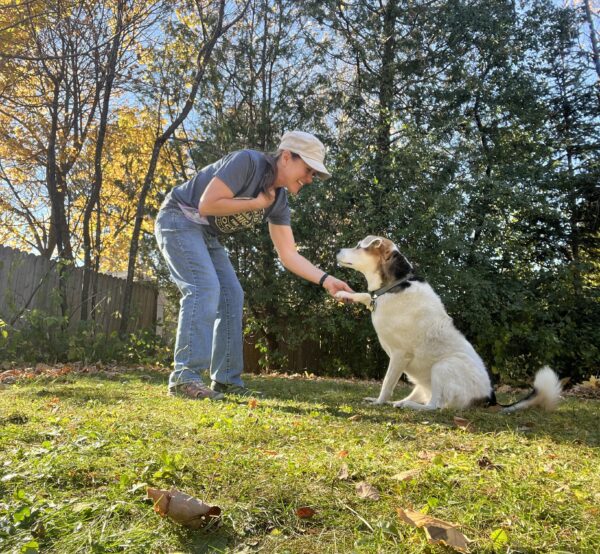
(593, 37)
(107, 84)
(201, 64)
(386, 89)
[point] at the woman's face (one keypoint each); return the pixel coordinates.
(294, 173)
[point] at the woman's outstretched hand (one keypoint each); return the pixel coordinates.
(333, 284)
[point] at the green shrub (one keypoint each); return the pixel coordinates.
(41, 337)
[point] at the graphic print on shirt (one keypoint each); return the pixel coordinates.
(236, 222)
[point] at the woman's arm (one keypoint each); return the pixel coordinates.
(283, 240)
(218, 199)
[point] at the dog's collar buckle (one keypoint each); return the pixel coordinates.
(383, 290)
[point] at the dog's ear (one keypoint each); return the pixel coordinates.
(399, 266)
(371, 241)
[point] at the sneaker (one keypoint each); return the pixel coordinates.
(234, 390)
(196, 391)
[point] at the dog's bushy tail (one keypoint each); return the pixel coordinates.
(545, 394)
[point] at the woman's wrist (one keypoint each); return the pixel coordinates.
(323, 278)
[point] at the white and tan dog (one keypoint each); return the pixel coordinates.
(421, 340)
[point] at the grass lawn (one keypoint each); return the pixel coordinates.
(78, 451)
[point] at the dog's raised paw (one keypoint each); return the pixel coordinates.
(343, 295)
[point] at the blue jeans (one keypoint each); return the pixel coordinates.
(209, 329)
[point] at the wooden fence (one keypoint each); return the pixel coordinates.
(31, 282)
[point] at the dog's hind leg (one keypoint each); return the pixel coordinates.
(392, 376)
(419, 393)
(414, 405)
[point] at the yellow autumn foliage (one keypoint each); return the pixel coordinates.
(127, 152)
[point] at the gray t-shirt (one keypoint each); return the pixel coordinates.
(244, 173)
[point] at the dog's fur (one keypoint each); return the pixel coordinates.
(421, 340)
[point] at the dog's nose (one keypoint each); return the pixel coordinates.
(340, 255)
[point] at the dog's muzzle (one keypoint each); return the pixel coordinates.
(342, 257)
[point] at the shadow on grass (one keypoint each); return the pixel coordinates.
(201, 542)
(81, 394)
(574, 422)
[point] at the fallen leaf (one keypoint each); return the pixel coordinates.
(344, 473)
(342, 454)
(485, 463)
(406, 475)
(526, 427)
(499, 538)
(463, 423)
(365, 490)
(16, 419)
(39, 531)
(252, 403)
(112, 375)
(591, 383)
(564, 382)
(426, 455)
(436, 530)
(305, 512)
(182, 508)
(355, 418)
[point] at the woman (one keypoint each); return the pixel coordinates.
(234, 193)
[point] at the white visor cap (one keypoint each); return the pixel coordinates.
(309, 148)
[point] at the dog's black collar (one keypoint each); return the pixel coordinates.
(375, 295)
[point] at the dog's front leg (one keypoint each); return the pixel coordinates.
(358, 297)
(392, 376)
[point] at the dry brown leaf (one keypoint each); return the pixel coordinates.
(342, 454)
(591, 383)
(436, 530)
(463, 423)
(183, 508)
(365, 490)
(252, 403)
(526, 427)
(426, 455)
(53, 401)
(344, 473)
(112, 375)
(485, 463)
(305, 512)
(564, 382)
(406, 475)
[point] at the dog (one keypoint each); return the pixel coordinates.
(421, 340)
